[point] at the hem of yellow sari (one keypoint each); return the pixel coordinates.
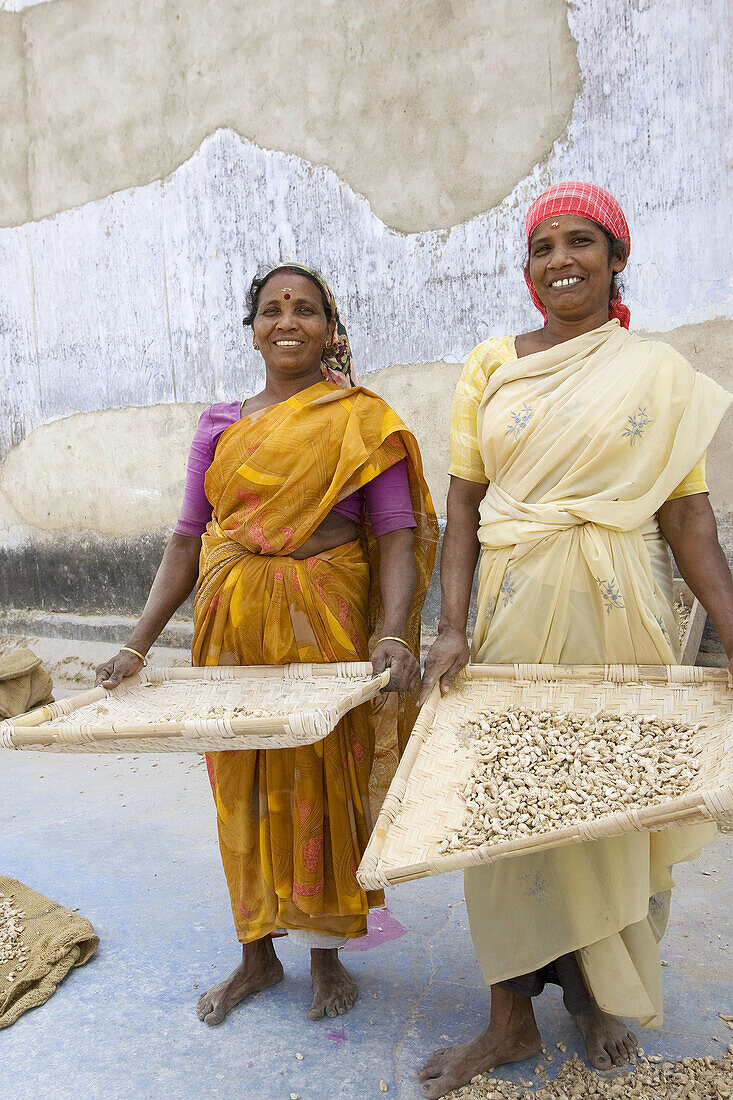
(284, 926)
(651, 1015)
(349, 925)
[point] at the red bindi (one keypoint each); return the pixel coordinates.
(286, 294)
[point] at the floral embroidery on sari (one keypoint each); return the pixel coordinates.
(519, 420)
(507, 589)
(611, 594)
(636, 426)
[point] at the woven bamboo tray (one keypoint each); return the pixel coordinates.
(164, 709)
(423, 805)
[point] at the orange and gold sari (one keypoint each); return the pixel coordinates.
(293, 823)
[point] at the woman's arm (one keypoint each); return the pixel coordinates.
(688, 524)
(449, 653)
(173, 584)
(397, 580)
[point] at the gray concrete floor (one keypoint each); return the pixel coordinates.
(131, 842)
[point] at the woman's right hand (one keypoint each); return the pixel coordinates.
(448, 654)
(112, 672)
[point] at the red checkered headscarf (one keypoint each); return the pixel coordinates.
(585, 200)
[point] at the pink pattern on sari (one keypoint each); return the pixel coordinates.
(305, 809)
(258, 538)
(358, 750)
(249, 499)
(311, 852)
(304, 891)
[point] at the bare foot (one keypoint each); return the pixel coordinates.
(608, 1041)
(334, 990)
(511, 1036)
(259, 969)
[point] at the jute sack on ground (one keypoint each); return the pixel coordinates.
(24, 683)
(56, 940)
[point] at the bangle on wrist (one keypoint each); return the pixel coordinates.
(392, 638)
(129, 649)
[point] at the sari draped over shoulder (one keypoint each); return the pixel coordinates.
(581, 445)
(293, 823)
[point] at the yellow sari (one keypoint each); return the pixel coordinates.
(293, 823)
(581, 445)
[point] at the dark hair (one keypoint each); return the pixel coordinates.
(253, 294)
(617, 250)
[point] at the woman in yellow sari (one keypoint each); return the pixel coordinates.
(575, 462)
(319, 536)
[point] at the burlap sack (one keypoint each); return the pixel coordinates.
(55, 940)
(24, 683)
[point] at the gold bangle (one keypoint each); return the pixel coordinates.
(129, 649)
(393, 638)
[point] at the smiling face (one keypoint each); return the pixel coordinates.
(571, 268)
(290, 324)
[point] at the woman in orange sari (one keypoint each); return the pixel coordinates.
(320, 539)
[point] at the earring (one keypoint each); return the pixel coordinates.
(255, 345)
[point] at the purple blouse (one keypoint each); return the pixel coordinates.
(387, 496)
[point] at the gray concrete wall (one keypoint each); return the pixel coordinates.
(155, 155)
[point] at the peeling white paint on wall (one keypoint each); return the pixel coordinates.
(137, 299)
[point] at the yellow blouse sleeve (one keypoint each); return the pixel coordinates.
(694, 482)
(465, 458)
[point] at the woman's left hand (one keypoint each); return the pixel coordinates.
(404, 671)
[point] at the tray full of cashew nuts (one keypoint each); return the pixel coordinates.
(519, 758)
(222, 707)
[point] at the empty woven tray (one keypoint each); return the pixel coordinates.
(424, 805)
(200, 710)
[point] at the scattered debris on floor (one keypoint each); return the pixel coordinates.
(687, 1079)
